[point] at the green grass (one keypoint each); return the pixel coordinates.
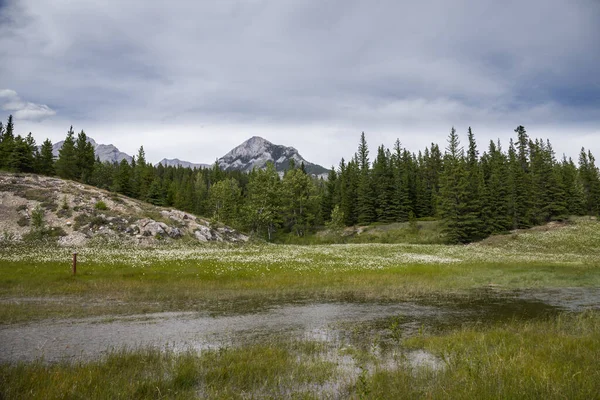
(552, 358)
(555, 357)
(275, 370)
(549, 359)
(238, 279)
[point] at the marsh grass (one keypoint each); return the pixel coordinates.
(225, 279)
(555, 358)
(274, 370)
(547, 358)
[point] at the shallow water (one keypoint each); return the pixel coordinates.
(334, 323)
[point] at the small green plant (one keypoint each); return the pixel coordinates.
(37, 219)
(100, 205)
(65, 204)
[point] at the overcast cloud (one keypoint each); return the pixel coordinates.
(193, 79)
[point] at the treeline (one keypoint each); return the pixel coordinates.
(476, 195)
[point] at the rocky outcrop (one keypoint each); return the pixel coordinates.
(78, 213)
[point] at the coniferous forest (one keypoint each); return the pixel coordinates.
(475, 191)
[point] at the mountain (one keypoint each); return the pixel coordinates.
(185, 164)
(256, 152)
(106, 152)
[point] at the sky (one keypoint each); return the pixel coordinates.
(193, 79)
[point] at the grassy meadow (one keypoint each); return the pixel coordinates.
(551, 357)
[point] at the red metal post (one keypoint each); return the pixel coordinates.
(74, 263)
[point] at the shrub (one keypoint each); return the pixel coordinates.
(100, 205)
(37, 218)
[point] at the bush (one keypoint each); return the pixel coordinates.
(37, 218)
(100, 205)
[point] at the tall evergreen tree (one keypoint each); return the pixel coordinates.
(7, 143)
(84, 158)
(454, 193)
(45, 159)
(66, 164)
(365, 195)
(401, 183)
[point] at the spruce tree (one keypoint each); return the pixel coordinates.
(66, 164)
(365, 195)
(45, 159)
(453, 193)
(84, 158)
(473, 224)
(7, 144)
(383, 185)
(401, 186)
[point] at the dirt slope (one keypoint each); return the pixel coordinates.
(76, 214)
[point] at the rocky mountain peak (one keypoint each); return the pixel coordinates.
(256, 152)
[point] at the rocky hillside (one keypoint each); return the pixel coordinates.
(76, 214)
(256, 152)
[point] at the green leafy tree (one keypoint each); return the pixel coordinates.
(224, 199)
(262, 207)
(299, 202)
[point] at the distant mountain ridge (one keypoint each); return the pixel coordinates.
(253, 153)
(105, 152)
(177, 162)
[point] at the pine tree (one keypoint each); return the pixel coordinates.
(7, 143)
(22, 157)
(365, 194)
(66, 164)
(349, 177)
(520, 181)
(590, 181)
(84, 158)
(122, 178)
(473, 224)
(573, 188)
(386, 207)
(453, 193)
(495, 207)
(328, 197)
(45, 159)
(401, 183)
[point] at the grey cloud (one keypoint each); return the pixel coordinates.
(23, 110)
(351, 64)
